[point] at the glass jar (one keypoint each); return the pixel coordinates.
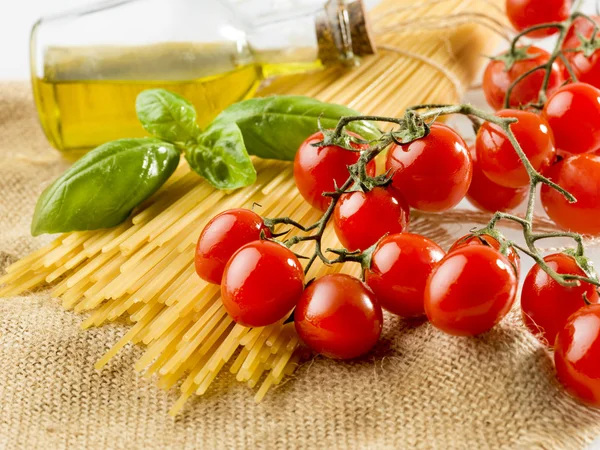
(89, 65)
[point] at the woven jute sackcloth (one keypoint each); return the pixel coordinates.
(419, 388)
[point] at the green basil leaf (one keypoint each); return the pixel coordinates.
(101, 189)
(166, 115)
(274, 127)
(220, 156)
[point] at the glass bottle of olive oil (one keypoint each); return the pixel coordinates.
(88, 66)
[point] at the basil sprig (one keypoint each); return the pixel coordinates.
(218, 154)
(102, 188)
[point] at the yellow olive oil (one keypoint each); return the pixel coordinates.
(87, 95)
(79, 115)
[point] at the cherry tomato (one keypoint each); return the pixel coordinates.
(262, 282)
(400, 266)
(497, 80)
(546, 305)
(524, 14)
(433, 173)
(320, 169)
(580, 175)
(470, 291)
(573, 113)
(576, 355)
(489, 241)
(361, 219)
(587, 69)
(339, 317)
(489, 196)
(222, 237)
(500, 161)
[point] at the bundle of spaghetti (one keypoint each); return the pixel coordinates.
(143, 270)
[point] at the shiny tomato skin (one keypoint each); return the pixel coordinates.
(573, 113)
(586, 69)
(489, 241)
(222, 236)
(361, 219)
(497, 80)
(489, 196)
(400, 267)
(498, 159)
(320, 169)
(470, 291)
(546, 305)
(524, 14)
(576, 355)
(339, 317)
(580, 175)
(433, 173)
(261, 284)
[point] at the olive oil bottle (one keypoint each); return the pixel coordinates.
(87, 72)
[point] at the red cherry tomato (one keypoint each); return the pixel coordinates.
(499, 160)
(470, 291)
(497, 80)
(576, 355)
(587, 69)
(400, 266)
(433, 173)
(262, 282)
(580, 175)
(524, 14)
(573, 113)
(488, 241)
(361, 219)
(222, 237)
(320, 169)
(489, 196)
(339, 317)
(546, 305)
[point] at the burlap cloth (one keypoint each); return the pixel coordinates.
(418, 389)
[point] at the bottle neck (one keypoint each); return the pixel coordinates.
(342, 32)
(338, 33)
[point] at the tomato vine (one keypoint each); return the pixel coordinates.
(557, 52)
(415, 125)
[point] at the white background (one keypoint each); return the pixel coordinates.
(16, 19)
(18, 16)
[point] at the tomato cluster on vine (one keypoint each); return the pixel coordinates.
(561, 134)
(465, 292)
(546, 129)
(558, 100)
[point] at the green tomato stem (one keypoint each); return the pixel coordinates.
(541, 26)
(568, 66)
